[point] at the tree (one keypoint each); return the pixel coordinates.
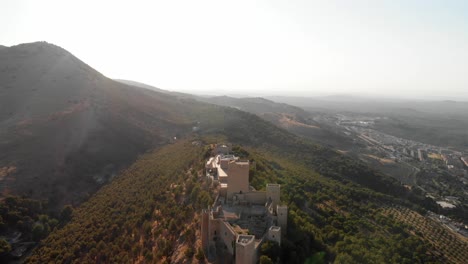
(271, 249)
(265, 260)
(5, 247)
(200, 256)
(2, 224)
(189, 252)
(37, 232)
(66, 213)
(344, 258)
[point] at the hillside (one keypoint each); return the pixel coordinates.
(447, 130)
(289, 117)
(330, 213)
(149, 87)
(139, 84)
(65, 129)
(292, 118)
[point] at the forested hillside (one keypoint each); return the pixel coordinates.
(337, 206)
(136, 218)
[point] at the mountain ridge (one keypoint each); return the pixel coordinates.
(57, 112)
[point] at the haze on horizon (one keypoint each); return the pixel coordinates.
(401, 49)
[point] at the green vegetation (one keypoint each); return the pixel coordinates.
(5, 247)
(270, 250)
(317, 258)
(30, 218)
(449, 246)
(439, 181)
(341, 219)
(139, 215)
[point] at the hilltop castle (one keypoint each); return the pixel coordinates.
(241, 218)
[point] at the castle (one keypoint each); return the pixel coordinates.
(241, 218)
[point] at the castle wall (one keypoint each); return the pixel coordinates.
(282, 214)
(224, 163)
(222, 176)
(227, 234)
(205, 229)
(273, 192)
(238, 179)
(274, 234)
(257, 197)
(213, 230)
(245, 250)
(223, 190)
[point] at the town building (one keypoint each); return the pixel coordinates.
(422, 154)
(465, 161)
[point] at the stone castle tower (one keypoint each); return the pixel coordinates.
(282, 214)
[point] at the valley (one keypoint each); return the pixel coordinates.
(438, 172)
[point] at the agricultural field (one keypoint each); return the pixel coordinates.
(448, 246)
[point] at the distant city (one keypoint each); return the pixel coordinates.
(419, 156)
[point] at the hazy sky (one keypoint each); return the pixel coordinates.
(399, 48)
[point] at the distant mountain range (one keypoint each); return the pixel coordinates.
(372, 104)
